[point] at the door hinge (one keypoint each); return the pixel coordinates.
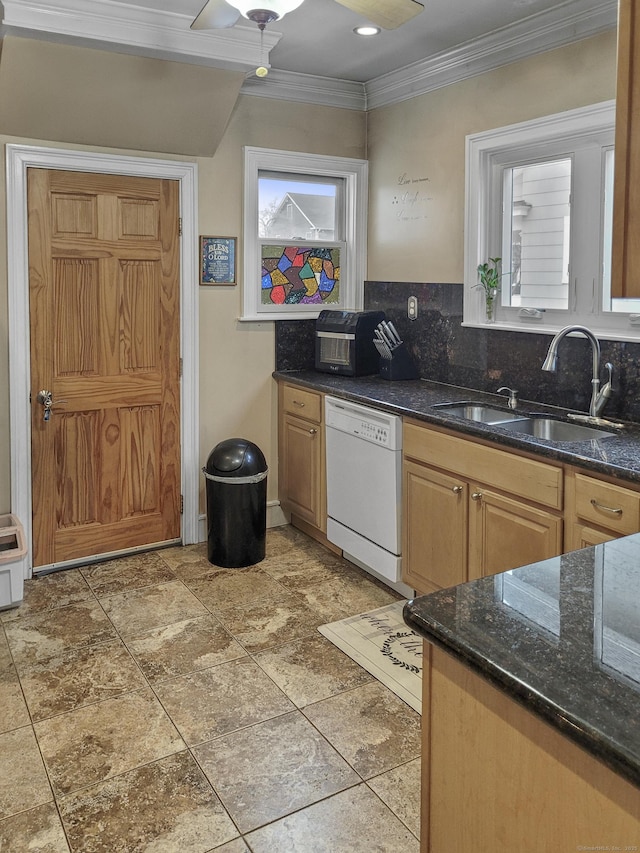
(181, 504)
(179, 226)
(180, 369)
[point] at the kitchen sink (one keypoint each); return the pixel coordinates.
(478, 412)
(552, 430)
(538, 427)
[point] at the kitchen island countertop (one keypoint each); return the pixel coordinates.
(561, 637)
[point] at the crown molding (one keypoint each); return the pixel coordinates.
(134, 29)
(308, 89)
(563, 24)
(566, 23)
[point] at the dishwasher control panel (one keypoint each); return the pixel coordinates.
(372, 431)
(364, 423)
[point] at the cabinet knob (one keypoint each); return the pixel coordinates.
(611, 509)
(313, 431)
(456, 489)
(476, 496)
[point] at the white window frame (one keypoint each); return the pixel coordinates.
(483, 223)
(353, 257)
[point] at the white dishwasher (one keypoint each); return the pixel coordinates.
(364, 488)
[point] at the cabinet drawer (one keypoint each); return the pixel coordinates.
(304, 404)
(607, 505)
(509, 472)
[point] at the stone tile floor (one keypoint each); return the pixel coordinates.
(158, 703)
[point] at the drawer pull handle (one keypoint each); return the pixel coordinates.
(476, 496)
(298, 403)
(611, 509)
(456, 490)
(313, 431)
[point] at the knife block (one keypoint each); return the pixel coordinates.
(399, 366)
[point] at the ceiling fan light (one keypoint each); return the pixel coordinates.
(272, 9)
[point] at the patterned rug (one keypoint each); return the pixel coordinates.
(385, 646)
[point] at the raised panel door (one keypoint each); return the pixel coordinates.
(301, 468)
(505, 533)
(582, 536)
(105, 341)
(435, 528)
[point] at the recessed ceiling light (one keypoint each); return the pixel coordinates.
(367, 31)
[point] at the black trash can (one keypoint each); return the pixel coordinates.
(236, 475)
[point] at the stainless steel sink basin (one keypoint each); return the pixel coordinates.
(478, 412)
(538, 427)
(552, 430)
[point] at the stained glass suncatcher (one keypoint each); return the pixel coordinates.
(299, 275)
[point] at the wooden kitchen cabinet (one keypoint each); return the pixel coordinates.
(505, 532)
(471, 509)
(598, 510)
(301, 467)
(435, 509)
(625, 257)
(500, 779)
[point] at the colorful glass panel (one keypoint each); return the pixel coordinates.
(298, 275)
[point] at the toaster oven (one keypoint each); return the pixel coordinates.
(344, 342)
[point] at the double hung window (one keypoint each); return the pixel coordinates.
(304, 234)
(539, 197)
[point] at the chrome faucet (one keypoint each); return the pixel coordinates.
(598, 397)
(513, 396)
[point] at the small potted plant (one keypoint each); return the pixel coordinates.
(490, 275)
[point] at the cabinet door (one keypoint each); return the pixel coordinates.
(505, 533)
(435, 529)
(583, 536)
(301, 469)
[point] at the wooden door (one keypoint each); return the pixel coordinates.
(435, 529)
(105, 341)
(505, 533)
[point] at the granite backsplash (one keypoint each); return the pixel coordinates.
(479, 358)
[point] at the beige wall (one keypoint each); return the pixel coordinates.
(422, 139)
(416, 152)
(237, 394)
(95, 97)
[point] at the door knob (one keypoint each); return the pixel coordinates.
(45, 398)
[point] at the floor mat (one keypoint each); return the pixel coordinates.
(385, 646)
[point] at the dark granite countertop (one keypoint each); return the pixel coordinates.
(561, 636)
(618, 456)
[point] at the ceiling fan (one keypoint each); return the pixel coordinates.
(220, 14)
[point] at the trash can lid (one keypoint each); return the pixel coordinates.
(236, 457)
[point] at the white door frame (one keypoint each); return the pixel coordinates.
(18, 159)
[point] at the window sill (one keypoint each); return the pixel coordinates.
(631, 335)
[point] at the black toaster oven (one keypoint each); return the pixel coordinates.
(344, 342)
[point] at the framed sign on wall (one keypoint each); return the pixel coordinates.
(217, 260)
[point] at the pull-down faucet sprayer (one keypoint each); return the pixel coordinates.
(598, 397)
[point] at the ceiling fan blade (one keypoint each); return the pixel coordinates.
(215, 15)
(387, 14)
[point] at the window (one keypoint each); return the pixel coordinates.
(539, 195)
(304, 234)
